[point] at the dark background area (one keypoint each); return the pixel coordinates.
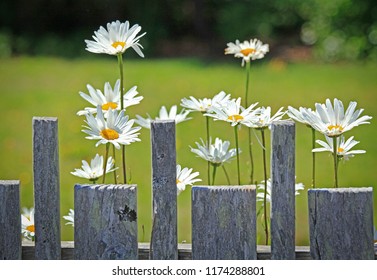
(295, 29)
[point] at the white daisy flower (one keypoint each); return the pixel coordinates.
(95, 170)
(205, 105)
(130, 99)
(233, 112)
(217, 153)
(110, 99)
(344, 147)
(263, 117)
(260, 195)
(27, 226)
(185, 177)
(70, 218)
(115, 129)
(27, 211)
(332, 120)
(164, 115)
(297, 115)
(248, 50)
(116, 39)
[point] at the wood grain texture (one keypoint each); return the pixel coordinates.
(164, 228)
(184, 251)
(283, 190)
(223, 222)
(46, 188)
(341, 223)
(100, 231)
(10, 221)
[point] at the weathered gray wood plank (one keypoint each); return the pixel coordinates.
(10, 221)
(164, 229)
(283, 190)
(101, 232)
(184, 251)
(223, 222)
(341, 223)
(46, 188)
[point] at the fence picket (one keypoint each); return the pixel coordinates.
(224, 222)
(10, 221)
(341, 223)
(164, 230)
(283, 190)
(46, 188)
(105, 227)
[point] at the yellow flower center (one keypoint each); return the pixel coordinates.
(336, 127)
(115, 45)
(30, 228)
(109, 105)
(248, 51)
(340, 150)
(109, 134)
(235, 118)
(178, 181)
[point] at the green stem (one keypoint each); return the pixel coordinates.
(115, 172)
(247, 84)
(251, 157)
(337, 165)
(238, 156)
(105, 162)
(265, 185)
(335, 154)
(120, 62)
(124, 163)
(247, 105)
(208, 145)
(313, 159)
(226, 174)
(214, 174)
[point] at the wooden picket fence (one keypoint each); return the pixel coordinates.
(223, 217)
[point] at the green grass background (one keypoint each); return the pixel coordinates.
(43, 86)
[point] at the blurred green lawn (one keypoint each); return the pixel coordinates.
(41, 86)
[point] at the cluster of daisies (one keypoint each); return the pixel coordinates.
(106, 118)
(332, 121)
(108, 124)
(223, 108)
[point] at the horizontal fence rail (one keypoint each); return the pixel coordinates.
(223, 217)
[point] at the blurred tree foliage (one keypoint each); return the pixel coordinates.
(336, 29)
(340, 29)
